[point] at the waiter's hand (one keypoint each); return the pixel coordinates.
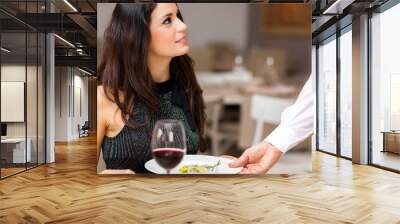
(258, 159)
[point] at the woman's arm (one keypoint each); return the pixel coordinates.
(101, 119)
(103, 108)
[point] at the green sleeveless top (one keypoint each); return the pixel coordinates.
(131, 147)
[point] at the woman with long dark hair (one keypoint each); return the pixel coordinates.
(145, 75)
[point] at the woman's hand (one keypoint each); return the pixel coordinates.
(258, 159)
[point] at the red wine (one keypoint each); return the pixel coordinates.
(168, 158)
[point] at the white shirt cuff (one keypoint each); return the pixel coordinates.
(282, 138)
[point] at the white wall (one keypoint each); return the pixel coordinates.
(12, 73)
(68, 81)
(61, 103)
(208, 22)
(33, 127)
(79, 118)
(104, 13)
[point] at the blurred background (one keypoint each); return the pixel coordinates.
(251, 61)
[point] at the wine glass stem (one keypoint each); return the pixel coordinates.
(168, 171)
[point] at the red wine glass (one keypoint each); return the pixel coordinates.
(168, 143)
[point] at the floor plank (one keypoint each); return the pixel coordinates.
(69, 191)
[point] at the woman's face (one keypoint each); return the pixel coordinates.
(168, 32)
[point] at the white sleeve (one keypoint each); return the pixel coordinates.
(297, 121)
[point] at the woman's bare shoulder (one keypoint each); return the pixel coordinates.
(103, 99)
(104, 95)
(101, 93)
(105, 105)
(107, 109)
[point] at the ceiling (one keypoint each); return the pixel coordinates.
(76, 22)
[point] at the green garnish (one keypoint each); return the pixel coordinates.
(198, 168)
(215, 166)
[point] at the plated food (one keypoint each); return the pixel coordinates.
(197, 164)
(196, 168)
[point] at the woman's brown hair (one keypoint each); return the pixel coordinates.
(124, 69)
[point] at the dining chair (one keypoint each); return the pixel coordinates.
(83, 131)
(214, 106)
(266, 109)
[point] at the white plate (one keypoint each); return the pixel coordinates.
(222, 168)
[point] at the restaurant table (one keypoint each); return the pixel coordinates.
(236, 88)
(14, 150)
(391, 141)
(240, 95)
(226, 85)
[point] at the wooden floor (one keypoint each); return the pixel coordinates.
(5, 172)
(69, 191)
(388, 159)
(10, 171)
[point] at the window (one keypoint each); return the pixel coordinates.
(22, 66)
(327, 95)
(385, 89)
(346, 92)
